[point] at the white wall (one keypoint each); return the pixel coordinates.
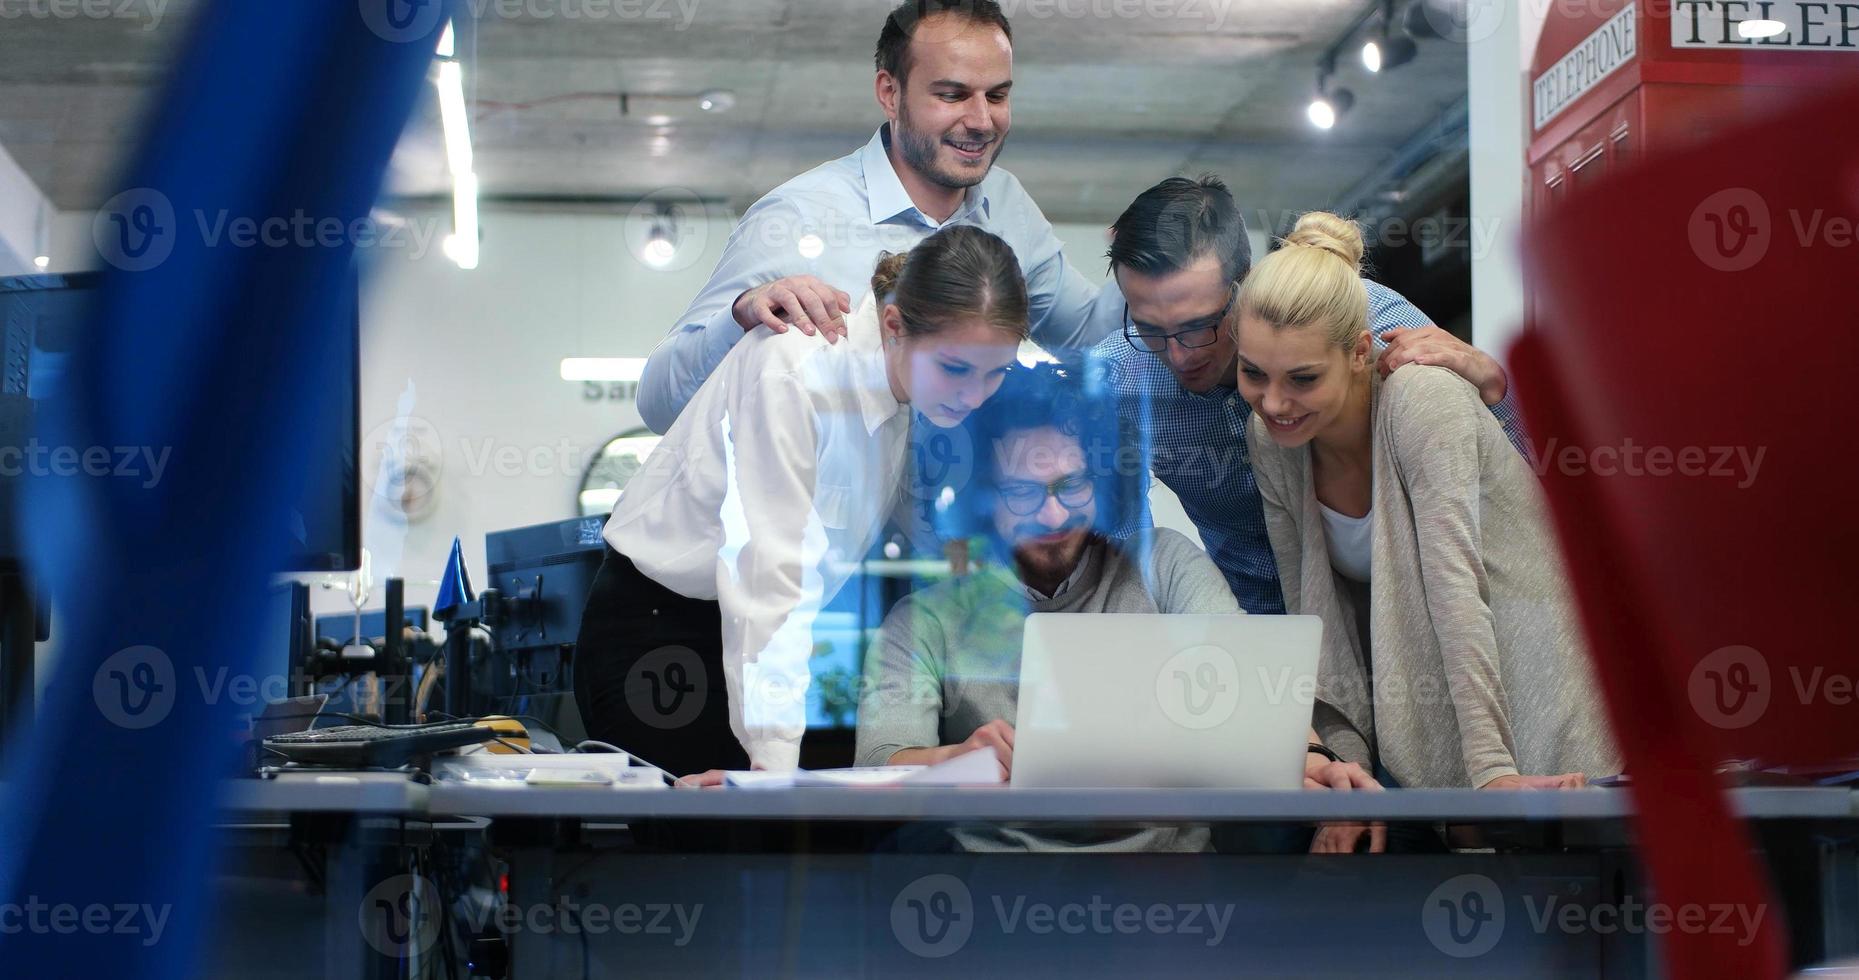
(21, 207)
(481, 351)
(1497, 66)
(476, 357)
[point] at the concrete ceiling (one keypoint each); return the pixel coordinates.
(1109, 96)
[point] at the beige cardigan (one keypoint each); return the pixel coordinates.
(1478, 666)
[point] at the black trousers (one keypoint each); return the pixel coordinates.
(649, 673)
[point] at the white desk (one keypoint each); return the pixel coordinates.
(364, 825)
(839, 913)
(359, 793)
(849, 913)
(1004, 804)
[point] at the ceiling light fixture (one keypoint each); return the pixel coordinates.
(1390, 47)
(1385, 50)
(455, 121)
(603, 368)
(660, 250)
(661, 241)
(1396, 51)
(1329, 104)
(453, 118)
(462, 245)
(717, 100)
(1759, 28)
(1321, 113)
(1418, 24)
(42, 240)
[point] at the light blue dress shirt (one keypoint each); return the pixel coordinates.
(832, 222)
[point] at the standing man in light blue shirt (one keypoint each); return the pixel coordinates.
(945, 71)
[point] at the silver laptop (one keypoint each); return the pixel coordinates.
(1144, 700)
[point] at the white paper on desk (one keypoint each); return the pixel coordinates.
(516, 770)
(980, 767)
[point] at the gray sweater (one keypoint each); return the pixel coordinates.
(948, 662)
(1475, 666)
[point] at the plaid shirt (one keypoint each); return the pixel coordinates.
(1196, 445)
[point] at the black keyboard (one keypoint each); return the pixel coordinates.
(363, 746)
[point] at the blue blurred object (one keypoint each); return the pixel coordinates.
(48, 316)
(454, 585)
(273, 112)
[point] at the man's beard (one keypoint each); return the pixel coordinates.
(1039, 563)
(920, 151)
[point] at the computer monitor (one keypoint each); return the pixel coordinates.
(37, 310)
(325, 519)
(543, 574)
(45, 321)
(24, 307)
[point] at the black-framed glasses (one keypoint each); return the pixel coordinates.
(1025, 497)
(1198, 333)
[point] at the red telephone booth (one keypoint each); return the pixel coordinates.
(1612, 79)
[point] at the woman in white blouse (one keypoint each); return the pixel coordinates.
(761, 499)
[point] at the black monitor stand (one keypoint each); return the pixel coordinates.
(393, 667)
(466, 648)
(24, 619)
(298, 667)
(23, 623)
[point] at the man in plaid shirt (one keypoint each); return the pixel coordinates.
(1178, 253)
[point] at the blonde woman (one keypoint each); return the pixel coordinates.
(1398, 513)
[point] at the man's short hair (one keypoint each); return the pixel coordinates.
(1175, 223)
(894, 41)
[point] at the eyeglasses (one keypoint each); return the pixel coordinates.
(1024, 497)
(1199, 333)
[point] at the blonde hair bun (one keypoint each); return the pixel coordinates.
(1333, 234)
(1303, 284)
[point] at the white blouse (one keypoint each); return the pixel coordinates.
(766, 493)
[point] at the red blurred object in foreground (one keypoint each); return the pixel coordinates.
(1688, 385)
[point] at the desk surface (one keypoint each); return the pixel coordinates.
(1084, 805)
(361, 792)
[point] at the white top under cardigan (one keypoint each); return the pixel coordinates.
(1351, 541)
(772, 485)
